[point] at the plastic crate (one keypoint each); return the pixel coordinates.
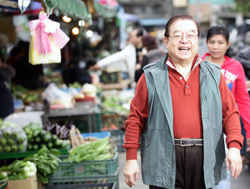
(117, 138)
(54, 181)
(82, 123)
(85, 186)
(94, 171)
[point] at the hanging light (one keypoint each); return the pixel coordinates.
(81, 23)
(89, 33)
(75, 31)
(66, 19)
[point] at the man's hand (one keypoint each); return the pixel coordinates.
(248, 144)
(131, 172)
(234, 161)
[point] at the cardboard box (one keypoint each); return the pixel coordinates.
(40, 185)
(29, 183)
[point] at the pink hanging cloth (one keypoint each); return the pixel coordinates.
(43, 29)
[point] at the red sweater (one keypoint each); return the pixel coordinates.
(236, 81)
(186, 110)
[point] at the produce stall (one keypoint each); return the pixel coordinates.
(84, 157)
(89, 158)
(80, 109)
(94, 161)
(36, 148)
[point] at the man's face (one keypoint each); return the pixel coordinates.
(182, 42)
(133, 38)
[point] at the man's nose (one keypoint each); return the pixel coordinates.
(184, 38)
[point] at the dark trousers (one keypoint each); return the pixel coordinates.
(189, 168)
(243, 133)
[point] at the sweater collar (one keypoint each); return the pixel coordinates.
(197, 60)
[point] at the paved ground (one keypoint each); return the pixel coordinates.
(243, 182)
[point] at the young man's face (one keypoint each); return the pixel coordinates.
(182, 42)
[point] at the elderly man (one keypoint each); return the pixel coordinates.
(182, 107)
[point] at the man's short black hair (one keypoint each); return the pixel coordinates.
(140, 32)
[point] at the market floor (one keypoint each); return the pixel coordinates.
(242, 182)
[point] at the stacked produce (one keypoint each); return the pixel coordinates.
(38, 138)
(19, 170)
(12, 138)
(46, 162)
(115, 105)
(97, 150)
(43, 163)
(19, 92)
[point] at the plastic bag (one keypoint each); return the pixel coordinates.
(47, 39)
(56, 96)
(12, 139)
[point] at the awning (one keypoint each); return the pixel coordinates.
(76, 9)
(79, 10)
(72, 8)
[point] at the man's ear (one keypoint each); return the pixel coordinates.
(165, 40)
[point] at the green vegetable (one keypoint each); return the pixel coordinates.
(97, 150)
(47, 137)
(43, 133)
(38, 139)
(35, 147)
(14, 148)
(66, 144)
(50, 145)
(3, 141)
(36, 133)
(3, 176)
(29, 147)
(46, 162)
(1, 149)
(22, 170)
(6, 134)
(10, 141)
(29, 136)
(20, 140)
(21, 148)
(58, 143)
(43, 146)
(14, 135)
(7, 149)
(54, 137)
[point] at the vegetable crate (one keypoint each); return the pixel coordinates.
(110, 185)
(82, 123)
(117, 137)
(91, 171)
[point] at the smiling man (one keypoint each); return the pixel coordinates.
(182, 107)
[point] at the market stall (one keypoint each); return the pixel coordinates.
(62, 134)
